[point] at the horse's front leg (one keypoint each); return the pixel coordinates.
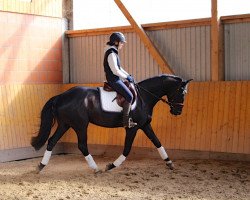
(130, 136)
(151, 135)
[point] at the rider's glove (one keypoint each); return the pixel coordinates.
(130, 79)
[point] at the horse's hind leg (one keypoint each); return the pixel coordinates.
(61, 129)
(83, 146)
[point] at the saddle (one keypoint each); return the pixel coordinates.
(119, 98)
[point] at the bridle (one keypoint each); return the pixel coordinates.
(170, 102)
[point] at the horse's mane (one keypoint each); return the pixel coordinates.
(158, 78)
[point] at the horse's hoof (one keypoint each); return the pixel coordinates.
(109, 167)
(39, 168)
(170, 165)
(97, 171)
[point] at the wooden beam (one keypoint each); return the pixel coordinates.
(98, 31)
(235, 19)
(147, 42)
(177, 24)
(216, 45)
(146, 27)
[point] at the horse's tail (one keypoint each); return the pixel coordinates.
(47, 122)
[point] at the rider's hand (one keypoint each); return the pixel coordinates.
(130, 79)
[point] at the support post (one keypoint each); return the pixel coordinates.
(217, 55)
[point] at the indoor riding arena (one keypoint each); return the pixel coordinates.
(207, 146)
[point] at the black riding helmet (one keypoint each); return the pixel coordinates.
(116, 37)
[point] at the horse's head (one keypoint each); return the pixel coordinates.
(176, 90)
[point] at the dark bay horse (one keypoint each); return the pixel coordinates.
(79, 106)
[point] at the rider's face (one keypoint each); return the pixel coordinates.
(120, 45)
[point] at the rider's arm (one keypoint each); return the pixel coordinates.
(124, 71)
(112, 60)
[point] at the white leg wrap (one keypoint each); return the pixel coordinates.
(119, 160)
(91, 162)
(46, 157)
(162, 153)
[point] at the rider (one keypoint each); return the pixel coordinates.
(115, 74)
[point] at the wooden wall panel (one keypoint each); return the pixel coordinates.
(52, 8)
(20, 108)
(237, 48)
(187, 50)
(215, 118)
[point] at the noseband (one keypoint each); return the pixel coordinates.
(171, 102)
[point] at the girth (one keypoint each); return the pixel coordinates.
(119, 98)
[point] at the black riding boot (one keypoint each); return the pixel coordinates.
(127, 121)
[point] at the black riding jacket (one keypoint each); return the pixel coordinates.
(114, 72)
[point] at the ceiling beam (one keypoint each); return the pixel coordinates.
(145, 39)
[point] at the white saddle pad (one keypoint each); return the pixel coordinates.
(107, 102)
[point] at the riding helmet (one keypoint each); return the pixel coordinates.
(116, 37)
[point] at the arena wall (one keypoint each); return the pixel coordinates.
(215, 118)
(30, 70)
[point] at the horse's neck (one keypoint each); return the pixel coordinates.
(152, 90)
(157, 87)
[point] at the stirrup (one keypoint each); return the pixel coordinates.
(131, 124)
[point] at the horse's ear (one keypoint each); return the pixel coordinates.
(186, 82)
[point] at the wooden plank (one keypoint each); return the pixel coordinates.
(231, 116)
(17, 124)
(178, 132)
(190, 104)
(148, 44)
(168, 127)
(225, 120)
(243, 117)
(185, 120)
(221, 113)
(214, 124)
(208, 115)
(236, 121)
(194, 117)
(6, 118)
(198, 121)
(188, 47)
(247, 124)
(11, 133)
(203, 52)
(235, 19)
(98, 31)
(177, 24)
(2, 120)
(33, 111)
(173, 131)
(146, 27)
(198, 51)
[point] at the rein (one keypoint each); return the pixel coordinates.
(170, 103)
